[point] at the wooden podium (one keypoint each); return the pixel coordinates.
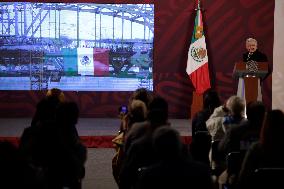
(249, 81)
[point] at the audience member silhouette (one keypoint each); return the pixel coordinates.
(15, 172)
(211, 101)
(172, 169)
(226, 116)
(67, 168)
(140, 94)
(240, 137)
(11, 167)
(201, 139)
(43, 123)
(55, 92)
(46, 107)
(45, 110)
(267, 153)
(137, 114)
(52, 144)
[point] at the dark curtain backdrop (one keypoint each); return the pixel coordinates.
(227, 25)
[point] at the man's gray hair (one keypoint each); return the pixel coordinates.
(249, 40)
(236, 105)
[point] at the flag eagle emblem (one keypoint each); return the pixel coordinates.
(85, 60)
(198, 54)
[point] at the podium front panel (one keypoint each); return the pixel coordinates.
(251, 88)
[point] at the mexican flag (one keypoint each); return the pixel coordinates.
(85, 61)
(197, 62)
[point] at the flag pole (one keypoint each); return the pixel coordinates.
(198, 5)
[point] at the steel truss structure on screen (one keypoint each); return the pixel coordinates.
(14, 27)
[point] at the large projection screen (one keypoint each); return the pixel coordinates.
(76, 46)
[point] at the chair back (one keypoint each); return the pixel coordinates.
(234, 161)
(200, 146)
(216, 154)
(217, 158)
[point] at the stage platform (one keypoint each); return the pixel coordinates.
(94, 132)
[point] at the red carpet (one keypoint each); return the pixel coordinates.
(90, 141)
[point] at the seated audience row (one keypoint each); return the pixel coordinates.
(241, 147)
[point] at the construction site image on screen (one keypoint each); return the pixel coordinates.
(76, 47)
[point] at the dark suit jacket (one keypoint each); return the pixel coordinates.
(255, 56)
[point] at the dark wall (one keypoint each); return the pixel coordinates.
(227, 25)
